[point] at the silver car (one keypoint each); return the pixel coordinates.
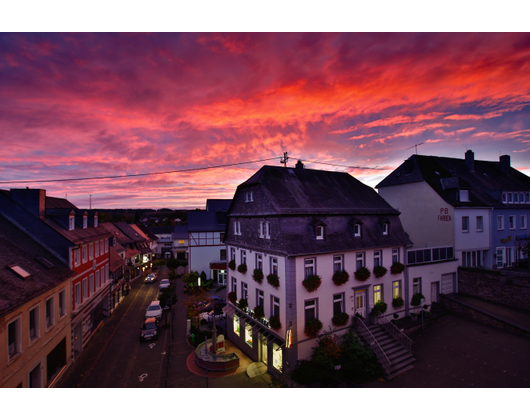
(154, 310)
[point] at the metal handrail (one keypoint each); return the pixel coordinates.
(399, 335)
(372, 342)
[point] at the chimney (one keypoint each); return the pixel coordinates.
(33, 200)
(505, 164)
(299, 165)
(470, 161)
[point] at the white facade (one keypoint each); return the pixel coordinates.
(473, 236)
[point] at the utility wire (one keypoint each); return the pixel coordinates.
(134, 175)
(344, 166)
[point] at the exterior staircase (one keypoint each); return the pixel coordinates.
(393, 355)
(400, 358)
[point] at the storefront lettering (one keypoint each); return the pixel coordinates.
(444, 215)
(508, 239)
(521, 237)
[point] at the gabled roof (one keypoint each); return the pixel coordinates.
(115, 260)
(45, 269)
(147, 231)
(214, 204)
(206, 221)
(180, 232)
(447, 176)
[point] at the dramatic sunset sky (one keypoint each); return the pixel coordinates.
(82, 105)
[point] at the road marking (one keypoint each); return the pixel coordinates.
(164, 353)
(152, 345)
(142, 377)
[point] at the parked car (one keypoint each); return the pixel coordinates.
(164, 283)
(150, 278)
(154, 310)
(149, 331)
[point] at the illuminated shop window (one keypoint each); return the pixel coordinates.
(277, 353)
(237, 325)
(248, 334)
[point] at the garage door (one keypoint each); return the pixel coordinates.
(448, 283)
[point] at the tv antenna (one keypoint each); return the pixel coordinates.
(285, 159)
(416, 147)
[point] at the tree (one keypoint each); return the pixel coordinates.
(190, 278)
(196, 301)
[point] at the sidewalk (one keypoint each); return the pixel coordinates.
(183, 372)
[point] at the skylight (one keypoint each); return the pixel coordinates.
(20, 271)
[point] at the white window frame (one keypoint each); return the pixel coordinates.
(357, 230)
(499, 252)
(85, 288)
(378, 293)
(62, 303)
(106, 241)
(17, 342)
(259, 262)
(77, 256)
(274, 265)
(261, 230)
(464, 196)
(523, 221)
(234, 285)
(320, 232)
(395, 255)
(338, 263)
(232, 253)
(360, 260)
(500, 222)
(480, 224)
(512, 222)
(36, 333)
(385, 229)
(510, 197)
(90, 252)
(91, 283)
(309, 267)
(244, 290)
(77, 294)
(465, 224)
(396, 289)
(267, 230)
(416, 282)
(338, 298)
(516, 198)
(260, 298)
(243, 257)
(504, 197)
(378, 258)
(71, 222)
(49, 304)
(311, 305)
(275, 306)
(96, 249)
(85, 254)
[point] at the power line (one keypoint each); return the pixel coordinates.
(345, 166)
(135, 175)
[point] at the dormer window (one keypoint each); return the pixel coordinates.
(464, 196)
(249, 197)
(357, 230)
(71, 222)
(320, 232)
(385, 228)
(85, 221)
(95, 220)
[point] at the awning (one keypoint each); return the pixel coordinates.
(218, 266)
(256, 325)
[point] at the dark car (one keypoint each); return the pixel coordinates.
(149, 331)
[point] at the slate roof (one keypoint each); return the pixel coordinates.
(147, 231)
(295, 201)
(206, 221)
(115, 260)
(214, 204)
(121, 238)
(448, 175)
(180, 232)
(19, 249)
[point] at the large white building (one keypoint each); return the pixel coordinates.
(297, 223)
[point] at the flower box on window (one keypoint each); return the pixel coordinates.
(340, 277)
(273, 280)
(259, 312)
(379, 271)
(242, 268)
(232, 265)
(340, 319)
(362, 274)
(275, 322)
(312, 282)
(243, 303)
(232, 297)
(257, 275)
(397, 268)
(312, 327)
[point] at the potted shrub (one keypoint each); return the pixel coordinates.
(340, 277)
(416, 299)
(257, 275)
(398, 302)
(379, 271)
(243, 303)
(340, 319)
(312, 327)
(242, 268)
(273, 280)
(379, 308)
(397, 268)
(232, 265)
(362, 274)
(232, 297)
(312, 282)
(275, 323)
(258, 312)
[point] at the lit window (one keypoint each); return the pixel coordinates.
(396, 289)
(248, 334)
(378, 295)
(237, 325)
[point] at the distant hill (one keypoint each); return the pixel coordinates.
(150, 217)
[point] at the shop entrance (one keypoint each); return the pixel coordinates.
(262, 348)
